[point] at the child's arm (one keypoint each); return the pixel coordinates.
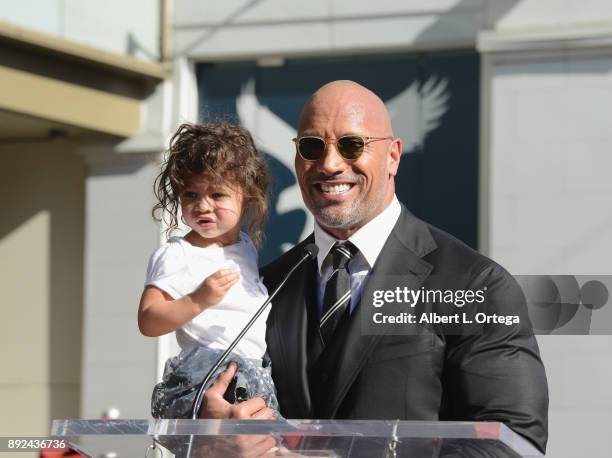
(159, 314)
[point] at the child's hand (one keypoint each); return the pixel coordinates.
(214, 287)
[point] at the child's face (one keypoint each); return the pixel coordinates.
(212, 210)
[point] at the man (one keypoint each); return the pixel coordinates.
(324, 365)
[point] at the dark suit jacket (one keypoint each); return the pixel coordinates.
(493, 373)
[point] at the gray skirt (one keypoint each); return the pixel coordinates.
(174, 396)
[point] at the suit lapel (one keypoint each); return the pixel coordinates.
(400, 256)
(290, 333)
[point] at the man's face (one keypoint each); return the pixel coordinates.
(343, 195)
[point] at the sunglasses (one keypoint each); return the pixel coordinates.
(350, 147)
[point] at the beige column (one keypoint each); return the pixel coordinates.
(41, 260)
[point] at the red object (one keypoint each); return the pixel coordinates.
(53, 453)
(487, 430)
(293, 441)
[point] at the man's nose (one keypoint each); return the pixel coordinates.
(332, 161)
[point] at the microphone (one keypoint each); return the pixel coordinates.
(310, 251)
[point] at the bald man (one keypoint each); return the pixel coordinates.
(324, 363)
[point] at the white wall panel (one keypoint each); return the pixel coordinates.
(550, 213)
(131, 27)
(557, 14)
(234, 30)
(119, 364)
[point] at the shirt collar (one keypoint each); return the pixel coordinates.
(369, 239)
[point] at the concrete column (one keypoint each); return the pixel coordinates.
(119, 364)
(547, 212)
(41, 260)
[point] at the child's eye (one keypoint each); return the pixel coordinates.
(189, 195)
(218, 195)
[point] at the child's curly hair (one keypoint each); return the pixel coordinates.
(223, 151)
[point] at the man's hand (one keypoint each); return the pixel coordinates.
(214, 406)
(214, 287)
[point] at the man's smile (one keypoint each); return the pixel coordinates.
(334, 190)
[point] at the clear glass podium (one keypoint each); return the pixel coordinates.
(291, 438)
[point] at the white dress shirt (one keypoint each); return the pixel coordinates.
(369, 240)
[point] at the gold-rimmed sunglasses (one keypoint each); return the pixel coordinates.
(312, 148)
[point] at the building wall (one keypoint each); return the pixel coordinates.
(76, 230)
(548, 89)
(556, 14)
(550, 213)
(119, 364)
(550, 156)
(131, 28)
(75, 236)
(209, 30)
(41, 260)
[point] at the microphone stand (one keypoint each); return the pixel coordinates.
(310, 252)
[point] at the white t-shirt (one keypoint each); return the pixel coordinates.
(179, 267)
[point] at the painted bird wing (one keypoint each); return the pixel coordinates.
(273, 135)
(415, 112)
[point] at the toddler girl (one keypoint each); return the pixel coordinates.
(205, 286)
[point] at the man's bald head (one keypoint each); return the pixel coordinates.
(345, 193)
(350, 100)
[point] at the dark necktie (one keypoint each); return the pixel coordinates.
(337, 296)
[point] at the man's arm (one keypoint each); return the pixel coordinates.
(493, 371)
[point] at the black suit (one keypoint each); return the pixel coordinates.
(433, 374)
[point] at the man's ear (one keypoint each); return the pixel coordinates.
(395, 153)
